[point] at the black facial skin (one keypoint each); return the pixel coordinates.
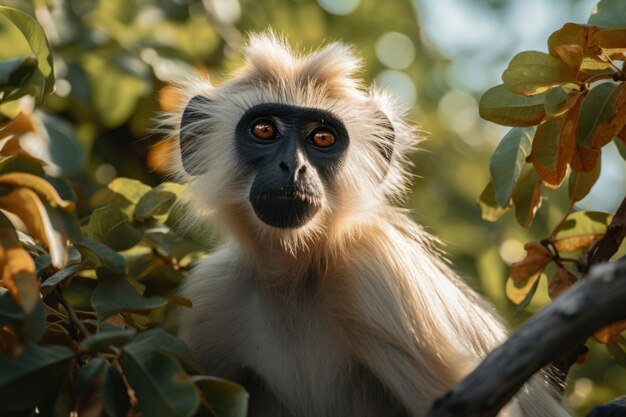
(289, 168)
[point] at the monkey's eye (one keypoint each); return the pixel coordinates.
(264, 129)
(323, 138)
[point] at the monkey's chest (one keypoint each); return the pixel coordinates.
(296, 353)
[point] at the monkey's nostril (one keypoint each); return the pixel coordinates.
(284, 167)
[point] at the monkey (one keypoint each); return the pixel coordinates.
(324, 298)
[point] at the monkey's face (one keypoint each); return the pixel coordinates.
(289, 156)
(292, 152)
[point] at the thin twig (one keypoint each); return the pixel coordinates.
(74, 319)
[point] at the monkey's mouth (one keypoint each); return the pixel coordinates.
(285, 209)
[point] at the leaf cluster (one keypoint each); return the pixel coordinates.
(564, 107)
(86, 300)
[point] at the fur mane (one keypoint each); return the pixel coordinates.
(325, 78)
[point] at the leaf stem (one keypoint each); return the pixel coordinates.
(73, 317)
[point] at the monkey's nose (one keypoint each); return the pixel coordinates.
(287, 168)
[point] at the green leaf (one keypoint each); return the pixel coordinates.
(33, 327)
(99, 255)
(110, 225)
(127, 193)
(617, 351)
(40, 369)
(69, 220)
(508, 160)
(580, 183)
(527, 198)
(490, 210)
(596, 109)
(114, 294)
(99, 381)
(42, 82)
(555, 101)
(20, 163)
(583, 223)
(224, 398)
(609, 14)
(102, 341)
(114, 393)
(60, 276)
(10, 312)
(158, 201)
(16, 71)
(499, 105)
(66, 154)
(160, 383)
(533, 72)
(164, 342)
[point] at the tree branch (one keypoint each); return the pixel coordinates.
(592, 303)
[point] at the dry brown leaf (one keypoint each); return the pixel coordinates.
(572, 55)
(18, 272)
(170, 99)
(39, 185)
(17, 126)
(605, 132)
(560, 282)
(609, 334)
(25, 204)
(563, 130)
(159, 157)
(610, 42)
(537, 257)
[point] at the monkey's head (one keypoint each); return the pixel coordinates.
(292, 143)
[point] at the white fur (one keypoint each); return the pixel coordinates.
(352, 314)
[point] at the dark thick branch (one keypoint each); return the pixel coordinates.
(612, 239)
(594, 302)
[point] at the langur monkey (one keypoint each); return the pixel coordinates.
(325, 299)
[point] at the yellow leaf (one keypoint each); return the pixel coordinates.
(39, 185)
(25, 204)
(574, 243)
(518, 293)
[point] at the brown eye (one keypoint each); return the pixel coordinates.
(264, 130)
(323, 139)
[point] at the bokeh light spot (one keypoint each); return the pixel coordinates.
(398, 82)
(395, 50)
(339, 7)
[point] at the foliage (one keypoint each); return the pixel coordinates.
(85, 300)
(564, 107)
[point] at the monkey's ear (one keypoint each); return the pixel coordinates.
(387, 138)
(194, 112)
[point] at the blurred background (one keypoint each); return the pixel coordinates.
(114, 60)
